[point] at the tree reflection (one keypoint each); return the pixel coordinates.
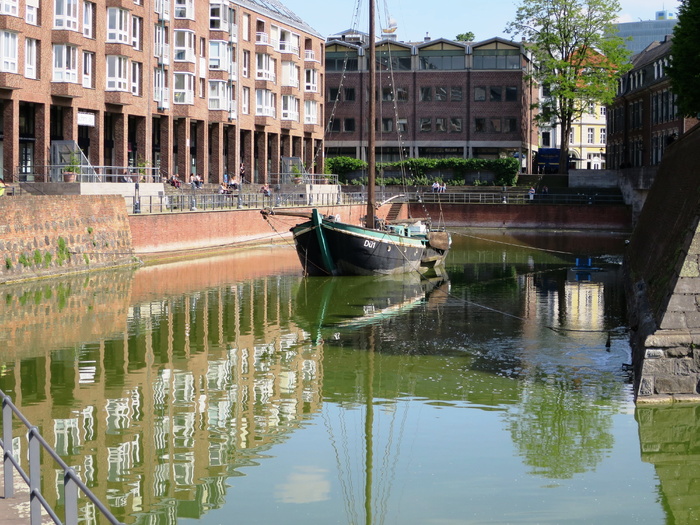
(557, 430)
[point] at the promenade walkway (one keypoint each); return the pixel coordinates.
(15, 510)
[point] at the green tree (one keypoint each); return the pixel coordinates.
(465, 37)
(577, 57)
(684, 70)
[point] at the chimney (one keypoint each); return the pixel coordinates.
(427, 37)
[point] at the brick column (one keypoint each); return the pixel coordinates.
(181, 128)
(97, 136)
(201, 130)
(260, 157)
(166, 144)
(121, 140)
(42, 146)
(246, 156)
(10, 143)
(274, 154)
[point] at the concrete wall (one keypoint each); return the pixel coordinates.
(51, 235)
(593, 179)
(663, 279)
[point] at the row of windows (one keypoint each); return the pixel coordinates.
(432, 125)
(386, 61)
(433, 93)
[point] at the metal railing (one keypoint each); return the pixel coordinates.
(72, 484)
(89, 173)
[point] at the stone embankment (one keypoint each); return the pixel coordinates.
(663, 280)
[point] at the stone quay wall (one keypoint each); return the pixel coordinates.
(663, 280)
(53, 235)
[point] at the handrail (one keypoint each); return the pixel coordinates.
(71, 482)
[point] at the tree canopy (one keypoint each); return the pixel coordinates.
(465, 37)
(577, 57)
(684, 70)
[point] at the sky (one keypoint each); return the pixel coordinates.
(449, 18)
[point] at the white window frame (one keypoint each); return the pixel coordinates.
(136, 75)
(117, 25)
(9, 7)
(65, 14)
(117, 76)
(65, 63)
(246, 64)
(161, 93)
(311, 81)
(8, 51)
(88, 69)
(290, 74)
(218, 95)
(88, 14)
(265, 67)
(184, 9)
(183, 88)
(310, 112)
(603, 135)
(219, 55)
(30, 55)
(218, 22)
(591, 135)
(184, 45)
(31, 12)
(136, 32)
(265, 103)
(290, 108)
(245, 101)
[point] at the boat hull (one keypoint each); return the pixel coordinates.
(344, 249)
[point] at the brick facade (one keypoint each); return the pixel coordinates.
(171, 84)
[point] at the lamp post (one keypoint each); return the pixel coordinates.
(137, 203)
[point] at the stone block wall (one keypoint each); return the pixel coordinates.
(663, 280)
(52, 235)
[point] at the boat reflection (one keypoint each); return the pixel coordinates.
(324, 304)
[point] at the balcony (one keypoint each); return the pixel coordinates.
(310, 55)
(262, 39)
(162, 53)
(288, 47)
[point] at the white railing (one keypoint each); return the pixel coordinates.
(262, 38)
(162, 53)
(265, 74)
(309, 55)
(288, 47)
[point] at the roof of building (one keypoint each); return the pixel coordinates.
(280, 12)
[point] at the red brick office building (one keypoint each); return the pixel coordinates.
(182, 85)
(436, 99)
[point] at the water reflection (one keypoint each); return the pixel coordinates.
(211, 388)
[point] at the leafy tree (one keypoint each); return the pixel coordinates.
(684, 70)
(577, 57)
(465, 37)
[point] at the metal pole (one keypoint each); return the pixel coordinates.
(9, 489)
(70, 497)
(34, 477)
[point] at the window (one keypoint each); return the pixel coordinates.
(184, 45)
(31, 12)
(387, 125)
(311, 80)
(8, 51)
(511, 94)
(290, 74)
(246, 27)
(350, 95)
(387, 94)
(217, 94)
(246, 64)
(136, 69)
(426, 94)
(479, 93)
(402, 94)
(8, 7)
(65, 14)
(30, 54)
(265, 69)
(333, 94)
(218, 16)
(455, 61)
(183, 90)
(161, 95)
(591, 135)
(88, 15)
(440, 93)
(603, 135)
(571, 137)
(349, 125)
(591, 108)
(290, 109)
(425, 124)
(602, 111)
(245, 102)
(265, 103)
(334, 126)
(546, 139)
(441, 124)
(495, 93)
(88, 66)
(218, 55)
(496, 58)
(479, 125)
(456, 93)
(455, 125)
(184, 9)
(310, 112)
(136, 25)
(494, 125)
(510, 125)
(117, 73)
(402, 125)
(65, 63)
(117, 25)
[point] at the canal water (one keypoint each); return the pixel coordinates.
(233, 390)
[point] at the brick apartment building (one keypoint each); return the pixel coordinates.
(188, 87)
(435, 99)
(644, 118)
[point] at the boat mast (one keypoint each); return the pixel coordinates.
(371, 159)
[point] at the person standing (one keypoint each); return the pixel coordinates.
(531, 192)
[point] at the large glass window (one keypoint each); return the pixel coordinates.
(65, 14)
(219, 55)
(496, 59)
(184, 9)
(511, 93)
(8, 7)
(265, 103)
(88, 15)
(117, 73)
(117, 25)
(218, 13)
(217, 94)
(310, 112)
(479, 93)
(445, 62)
(290, 108)
(8, 51)
(185, 41)
(425, 124)
(183, 90)
(65, 63)
(311, 81)
(426, 94)
(290, 74)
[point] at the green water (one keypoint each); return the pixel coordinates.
(494, 394)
